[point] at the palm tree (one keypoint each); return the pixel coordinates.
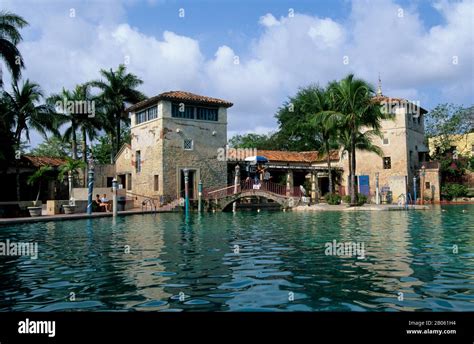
(9, 38)
(70, 168)
(118, 89)
(325, 124)
(89, 123)
(7, 151)
(60, 102)
(353, 100)
(24, 107)
(75, 107)
(38, 177)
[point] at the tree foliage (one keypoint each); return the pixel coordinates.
(54, 147)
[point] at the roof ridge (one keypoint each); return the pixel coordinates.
(180, 96)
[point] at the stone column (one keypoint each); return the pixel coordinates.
(289, 183)
(186, 191)
(90, 185)
(236, 185)
(313, 188)
(422, 184)
(200, 196)
(114, 197)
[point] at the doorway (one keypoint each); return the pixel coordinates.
(364, 186)
(121, 179)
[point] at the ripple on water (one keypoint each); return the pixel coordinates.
(279, 253)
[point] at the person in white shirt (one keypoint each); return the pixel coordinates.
(105, 203)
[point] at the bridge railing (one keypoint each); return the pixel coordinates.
(264, 186)
(220, 192)
(247, 185)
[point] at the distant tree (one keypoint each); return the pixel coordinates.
(295, 130)
(446, 120)
(54, 147)
(259, 141)
(102, 150)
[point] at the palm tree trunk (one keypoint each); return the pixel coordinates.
(17, 172)
(74, 144)
(112, 143)
(349, 182)
(329, 168)
(118, 135)
(353, 192)
(38, 195)
(17, 163)
(84, 155)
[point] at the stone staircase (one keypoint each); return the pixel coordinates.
(170, 206)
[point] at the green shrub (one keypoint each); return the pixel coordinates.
(332, 198)
(451, 191)
(360, 199)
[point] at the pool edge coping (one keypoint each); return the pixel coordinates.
(80, 216)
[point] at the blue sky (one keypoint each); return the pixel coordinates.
(422, 49)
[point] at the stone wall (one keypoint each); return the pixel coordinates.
(55, 207)
(101, 173)
(148, 139)
(124, 166)
(431, 186)
(82, 193)
(207, 138)
(161, 145)
(404, 134)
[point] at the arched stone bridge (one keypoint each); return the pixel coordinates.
(222, 198)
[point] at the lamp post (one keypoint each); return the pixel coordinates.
(377, 192)
(69, 179)
(114, 197)
(90, 185)
(236, 185)
(313, 187)
(422, 184)
(186, 191)
(288, 184)
(200, 196)
(414, 189)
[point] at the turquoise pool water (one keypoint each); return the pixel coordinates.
(268, 261)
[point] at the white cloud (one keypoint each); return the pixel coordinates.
(268, 20)
(288, 53)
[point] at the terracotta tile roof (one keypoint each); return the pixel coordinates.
(385, 99)
(287, 156)
(180, 96)
(38, 161)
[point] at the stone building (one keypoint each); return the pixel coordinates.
(404, 159)
(404, 153)
(171, 132)
(175, 131)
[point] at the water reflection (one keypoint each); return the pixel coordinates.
(245, 261)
